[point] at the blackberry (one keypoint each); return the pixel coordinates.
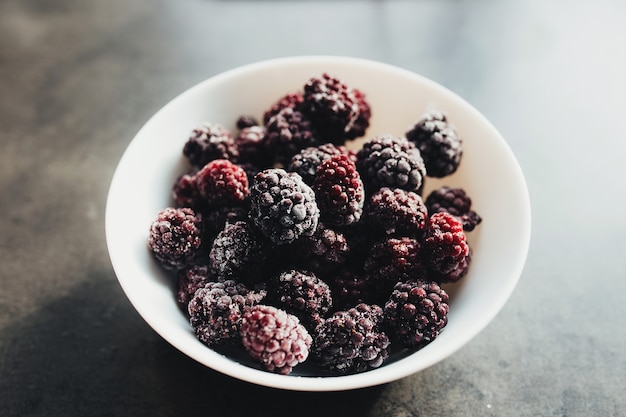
(396, 212)
(216, 310)
(222, 183)
(175, 237)
(362, 121)
(446, 252)
(190, 280)
(351, 341)
(237, 253)
(456, 202)
(339, 191)
(392, 260)
(302, 294)
(208, 142)
(253, 147)
(288, 132)
(308, 160)
(349, 288)
(323, 251)
(333, 107)
(185, 193)
(440, 145)
(291, 100)
(274, 338)
(283, 207)
(416, 312)
(390, 161)
(244, 121)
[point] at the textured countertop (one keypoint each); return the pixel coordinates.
(79, 78)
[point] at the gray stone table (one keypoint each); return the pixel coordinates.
(78, 78)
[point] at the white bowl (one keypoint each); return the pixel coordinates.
(488, 172)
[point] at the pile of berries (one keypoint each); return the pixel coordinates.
(289, 245)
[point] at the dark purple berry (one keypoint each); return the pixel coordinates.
(208, 142)
(175, 237)
(445, 248)
(456, 202)
(396, 212)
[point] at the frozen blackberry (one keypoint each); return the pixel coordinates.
(288, 132)
(351, 341)
(291, 100)
(416, 312)
(283, 207)
(245, 121)
(274, 338)
(362, 122)
(175, 237)
(215, 310)
(325, 250)
(350, 287)
(186, 194)
(390, 161)
(190, 280)
(333, 107)
(308, 160)
(392, 260)
(445, 248)
(253, 147)
(339, 191)
(208, 142)
(222, 183)
(396, 212)
(237, 253)
(302, 294)
(440, 145)
(456, 202)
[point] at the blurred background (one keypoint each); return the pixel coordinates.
(78, 78)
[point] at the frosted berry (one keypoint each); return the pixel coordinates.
(350, 287)
(339, 191)
(351, 341)
(416, 312)
(190, 280)
(175, 237)
(216, 310)
(324, 251)
(210, 141)
(283, 207)
(185, 193)
(440, 145)
(222, 183)
(274, 338)
(288, 132)
(306, 162)
(390, 161)
(237, 253)
(396, 212)
(253, 147)
(456, 202)
(291, 100)
(303, 294)
(445, 248)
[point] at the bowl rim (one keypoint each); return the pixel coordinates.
(390, 372)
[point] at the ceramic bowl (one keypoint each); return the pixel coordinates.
(489, 173)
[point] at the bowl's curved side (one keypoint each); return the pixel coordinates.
(489, 172)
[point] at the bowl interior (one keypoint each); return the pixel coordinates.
(488, 172)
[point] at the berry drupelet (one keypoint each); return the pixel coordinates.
(175, 237)
(339, 191)
(440, 145)
(396, 212)
(416, 312)
(274, 338)
(351, 341)
(215, 310)
(390, 161)
(445, 248)
(222, 183)
(210, 141)
(282, 206)
(456, 202)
